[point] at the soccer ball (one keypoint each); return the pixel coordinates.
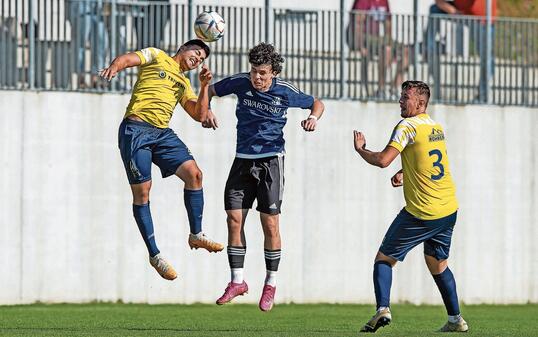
(209, 26)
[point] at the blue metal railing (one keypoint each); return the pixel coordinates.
(61, 45)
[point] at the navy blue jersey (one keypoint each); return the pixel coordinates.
(261, 116)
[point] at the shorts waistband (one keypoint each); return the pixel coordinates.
(140, 123)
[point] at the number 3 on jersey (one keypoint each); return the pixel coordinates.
(438, 164)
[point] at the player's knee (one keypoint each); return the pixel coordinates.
(271, 230)
(141, 197)
(195, 177)
(382, 257)
(234, 222)
(434, 265)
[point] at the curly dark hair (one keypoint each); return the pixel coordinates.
(265, 53)
(421, 88)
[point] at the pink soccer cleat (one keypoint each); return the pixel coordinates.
(268, 298)
(232, 291)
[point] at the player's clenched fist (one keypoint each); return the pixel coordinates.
(205, 75)
(397, 179)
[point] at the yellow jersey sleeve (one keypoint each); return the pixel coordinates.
(404, 133)
(428, 187)
(148, 55)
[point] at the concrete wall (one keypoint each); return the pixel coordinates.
(67, 233)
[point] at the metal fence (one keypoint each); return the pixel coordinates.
(61, 45)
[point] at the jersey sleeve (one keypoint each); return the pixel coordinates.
(404, 133)
(300, 100)
(229, 85)
(148, 55)
(188, 94)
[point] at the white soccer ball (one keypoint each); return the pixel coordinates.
(209, 26)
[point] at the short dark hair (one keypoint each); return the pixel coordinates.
(420, 87)
(199, 43)
(265, 53)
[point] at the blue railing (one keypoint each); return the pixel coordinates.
(61, 45)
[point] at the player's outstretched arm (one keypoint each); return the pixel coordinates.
(380, 159)
(211, 120)
(198, 109)
(309, 124)
(118, 64)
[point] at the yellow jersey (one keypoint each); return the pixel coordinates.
(160, 86)
(428, 187)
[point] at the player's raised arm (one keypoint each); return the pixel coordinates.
(118, 64)
(380, 159)
(211, 120)
(309, 124)
(198, 109)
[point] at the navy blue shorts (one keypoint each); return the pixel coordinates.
(141, 144)
(406, 232)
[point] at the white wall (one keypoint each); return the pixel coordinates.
(67, 233)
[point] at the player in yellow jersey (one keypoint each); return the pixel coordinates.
(144, 136)
(431, 206)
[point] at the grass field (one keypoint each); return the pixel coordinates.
(246, 320)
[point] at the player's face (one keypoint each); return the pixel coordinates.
(409, 103)
(261, 76)
(191, 57)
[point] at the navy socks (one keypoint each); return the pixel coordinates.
(447, 286)
(143, 219)
(194, 203)
(382, 283)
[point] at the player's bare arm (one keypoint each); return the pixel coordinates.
(380, 159)
(211, 120)
(198, 109)
(397, 179)
(446, 7)
(118, 64)
(309, 124)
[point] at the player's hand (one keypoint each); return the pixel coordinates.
(397, 179)
(205, 76)
(359, 140)
(309, 124)
(108, 73)
(211, 121)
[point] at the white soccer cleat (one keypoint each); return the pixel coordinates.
(163, 267)
(460, 326)
(200, 240)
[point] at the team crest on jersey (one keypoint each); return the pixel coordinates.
(436, 135)
(162, 74)
(276, 101)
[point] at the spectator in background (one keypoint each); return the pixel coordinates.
(87, 21)
(478, 35)
(150, 22)
(371, 35)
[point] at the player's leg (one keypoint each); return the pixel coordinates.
(436, 252)
(239, 195)
(174, 158)
(272, 253)
(237, 248)
(404, 233)
(269, 194)
(193, 197)
(237, 243)
(134, 141)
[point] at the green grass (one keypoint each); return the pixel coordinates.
(246, 320)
